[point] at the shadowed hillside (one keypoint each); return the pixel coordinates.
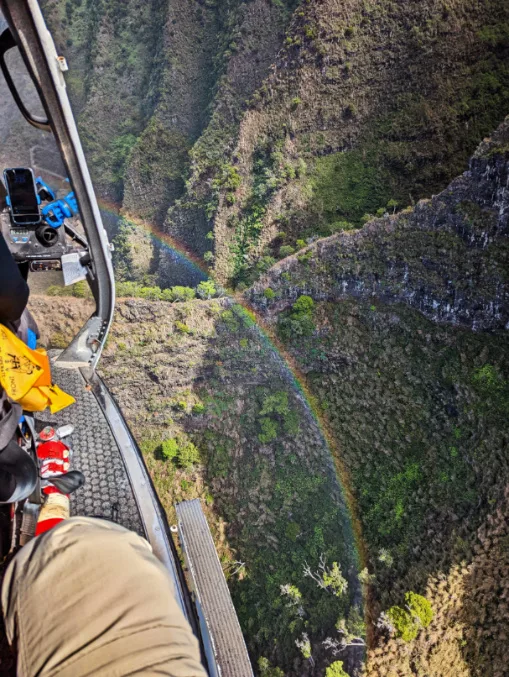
(341, 410)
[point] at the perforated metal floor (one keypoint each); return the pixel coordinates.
(107, 492)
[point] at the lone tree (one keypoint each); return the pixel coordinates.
(328, 578)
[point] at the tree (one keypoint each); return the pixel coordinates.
(335, 670)
(122, 252)
(366, 578)
(266, 670)
(304, 645)
(403, 623)
(294, 598)
(330, 579)
(299, 321)
(275, 404)
(304, 304)
(334, 580)
(269, 430)
(385, 557)
(187, 454)
(406, 623)
(420, 608)
(181, 450)
(206, 289)
(182, 293)
(169, 449)
(351, 633)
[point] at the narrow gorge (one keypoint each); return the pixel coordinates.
(309, 203)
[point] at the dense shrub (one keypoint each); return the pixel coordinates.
(206, 289)
(181, 293)
(181, 450)
(79, 290)
(336, 670)
(286, 250)
(403, 623)
(407, 622)
(299, 321)
(136, 290)
(420, 608)
(268, 430)
(169, 449)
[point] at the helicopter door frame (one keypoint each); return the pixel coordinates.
(37, 48)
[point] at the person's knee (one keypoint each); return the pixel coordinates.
(101, 587)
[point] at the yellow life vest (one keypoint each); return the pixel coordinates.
(25, 375)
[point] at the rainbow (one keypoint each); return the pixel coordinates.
(290, 369)
(181, 254)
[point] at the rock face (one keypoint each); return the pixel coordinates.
(448, 257)
(249, 118)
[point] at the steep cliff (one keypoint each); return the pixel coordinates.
(367, 103)
(263, 130)
(246, 119)
(447, 257)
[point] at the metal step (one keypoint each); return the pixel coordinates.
(226, 650)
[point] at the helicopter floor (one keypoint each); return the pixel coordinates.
(107, 492)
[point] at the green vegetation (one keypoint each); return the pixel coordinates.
(286, 250)
(206, 289)
(433, 452)
(182, 327)
(79, 290)
(266, 670)
(298, 322)
(420, 608)
(336, 670)
(270, 172)
(403, 623)
(347, 185)
(269, 430)
(276, 414)
(169, 449)
(181, 450)
(407, 622)
(276, 473)
(137, 290)
(228, 179)
(334, 580)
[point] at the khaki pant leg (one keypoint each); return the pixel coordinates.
(90, 598)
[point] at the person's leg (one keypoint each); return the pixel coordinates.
(90, 598)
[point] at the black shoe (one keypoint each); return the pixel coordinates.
(18, 474)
